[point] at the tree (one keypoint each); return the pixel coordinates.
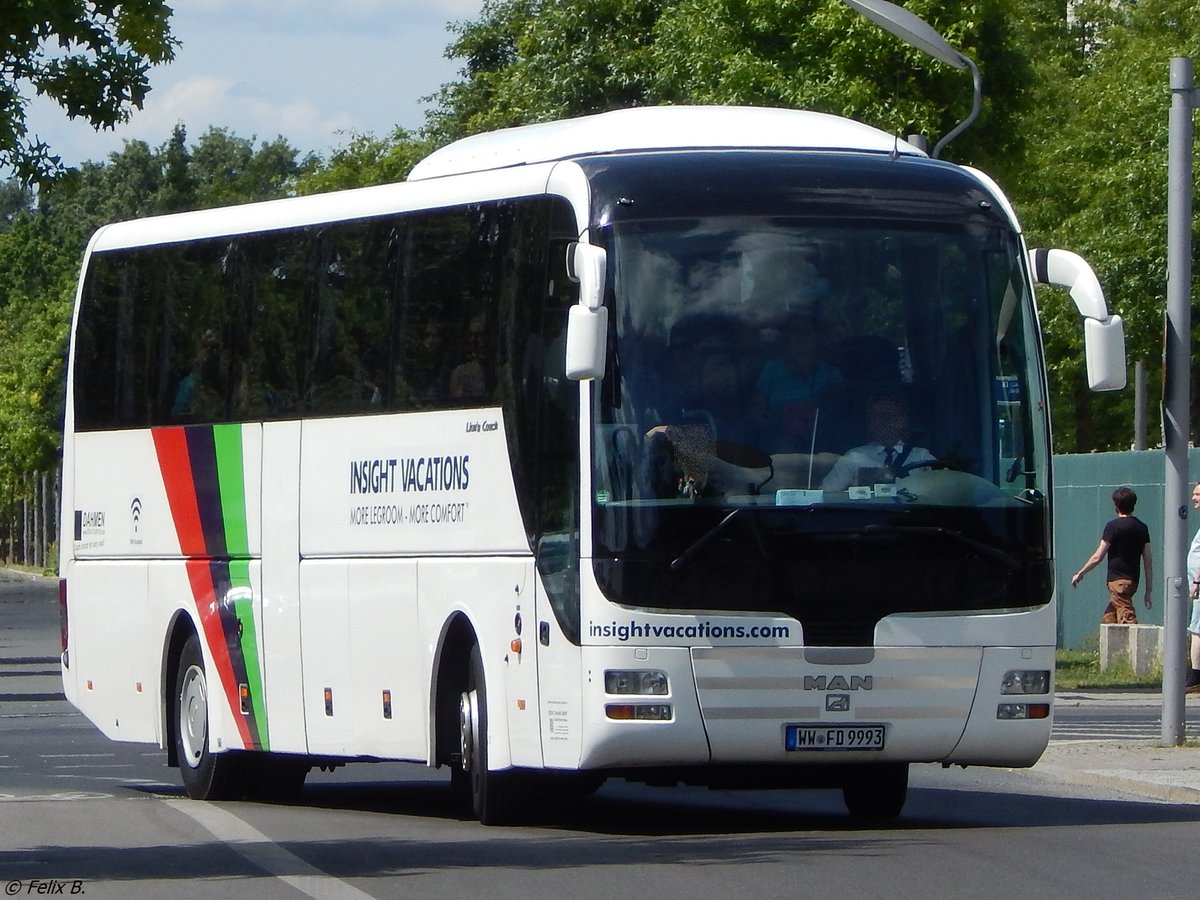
(35, 290)
(228, 169)
(824, 56)
(1096, 182)
(366, 160)
(41, 249)
(15, 199)
(91, 57)
(536, 60)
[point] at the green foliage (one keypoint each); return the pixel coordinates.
(41, 249)
(1096, 182)
(366, 161)
(822, 55)
(91, 57)
(536, 60)
(35, 283)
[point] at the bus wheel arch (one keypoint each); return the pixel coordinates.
(461, 727)
(496, 795)
(180, 629)
(450, 667)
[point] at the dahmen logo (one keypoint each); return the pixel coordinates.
(838, 683)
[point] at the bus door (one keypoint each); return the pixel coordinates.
(557, 592)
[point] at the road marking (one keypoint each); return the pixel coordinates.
(68, 796)
(97, 766)
(46, 715)
(124, 780)
(258, 849)
(77, 755)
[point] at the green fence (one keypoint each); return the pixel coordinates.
(1083, 486)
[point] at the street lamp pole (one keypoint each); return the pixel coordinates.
(918, 33)
(1177, 397)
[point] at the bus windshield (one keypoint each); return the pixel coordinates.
(784, 392)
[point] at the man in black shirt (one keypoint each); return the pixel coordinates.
(1125, 541)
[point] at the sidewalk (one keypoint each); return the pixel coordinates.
(1139, 767)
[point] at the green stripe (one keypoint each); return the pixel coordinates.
(232, 483)
(239, 575)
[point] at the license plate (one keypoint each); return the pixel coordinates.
(833, 737)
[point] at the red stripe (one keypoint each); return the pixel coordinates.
(200, 575)
(175, 464)
(176, 467)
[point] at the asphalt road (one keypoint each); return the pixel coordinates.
(94, 818)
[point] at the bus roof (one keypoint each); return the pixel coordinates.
(657, 128)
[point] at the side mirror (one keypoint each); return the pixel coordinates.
(587, 336)
(587, 322)
(1104, 335)
(1105, 347)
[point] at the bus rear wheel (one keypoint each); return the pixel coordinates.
(876, 792)
(206, 775)
(494, 795)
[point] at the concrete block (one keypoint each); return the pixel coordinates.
(1141, 645)
(1145, 648)
(1114, 644)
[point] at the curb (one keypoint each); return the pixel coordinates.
(1136, 784)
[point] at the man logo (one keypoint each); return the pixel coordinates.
(839, 683)
(135, 513)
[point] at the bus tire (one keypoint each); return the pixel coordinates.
(494, 795)
(876, 792)
(206, 775)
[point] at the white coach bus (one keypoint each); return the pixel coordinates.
(552, 464)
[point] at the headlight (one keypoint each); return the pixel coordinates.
(1025, 681)
(634, 682)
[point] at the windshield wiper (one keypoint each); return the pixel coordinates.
(705, 539)
(1010, 562)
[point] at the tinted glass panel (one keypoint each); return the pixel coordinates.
(423, 311)
(823, 391)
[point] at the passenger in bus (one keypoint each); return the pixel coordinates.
(709, 405)
(888, 453)
(791, 388)
(468, 380)
(197, 394)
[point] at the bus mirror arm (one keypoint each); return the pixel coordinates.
(586, 265)
(1104, 334)
(587, 322)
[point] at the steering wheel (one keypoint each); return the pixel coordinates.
(947, 464)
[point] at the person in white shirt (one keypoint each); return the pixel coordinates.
(887, 456)
(1193, 570)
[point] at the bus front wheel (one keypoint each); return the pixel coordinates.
(877, 792)
(494, 795)
(206, 775)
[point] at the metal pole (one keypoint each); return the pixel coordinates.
(1139, 405)
(1176, 382)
